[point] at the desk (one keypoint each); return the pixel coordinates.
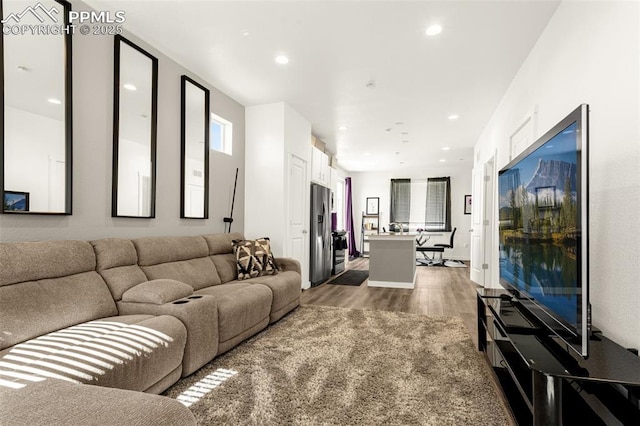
(392, 260)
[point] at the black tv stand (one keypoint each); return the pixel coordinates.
(546, 383)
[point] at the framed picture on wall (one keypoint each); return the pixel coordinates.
(373, 205)
(467, 204)
(15, 201)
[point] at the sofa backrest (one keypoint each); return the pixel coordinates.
(183, 259)
(47, 286)
(117, 263)
(221, 253)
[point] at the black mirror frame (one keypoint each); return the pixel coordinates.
(183, 148)
(68, 117)
(116, 125)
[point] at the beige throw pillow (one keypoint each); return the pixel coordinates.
(254, 258)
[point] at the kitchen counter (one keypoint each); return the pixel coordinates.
(392, 260)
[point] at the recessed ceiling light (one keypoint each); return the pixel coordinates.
(442, 160)
(282, 60)
(453, 117)
(399, 123)
(434, 29)
(54, 101)
(397, 152)
(388, 129)
(445, 148)
(402, 162)
(367, 154)
(246, 33)
(342, 128)
(129, 86)
(405, 141)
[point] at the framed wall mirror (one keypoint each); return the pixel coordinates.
(35, 105)
(135, 105)
(194, 194)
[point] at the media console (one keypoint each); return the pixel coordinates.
(543, 381)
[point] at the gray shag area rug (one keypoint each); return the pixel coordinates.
(334, 366)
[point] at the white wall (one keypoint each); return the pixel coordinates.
(92, 153)
(378, 184)
(590, 53)
(264, 175)
(274, 133)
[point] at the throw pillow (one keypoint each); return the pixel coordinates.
(254, 258)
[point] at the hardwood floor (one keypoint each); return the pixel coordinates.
(439, 291)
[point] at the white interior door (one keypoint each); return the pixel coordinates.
(477, 242)
(298, 212)
(482, 246)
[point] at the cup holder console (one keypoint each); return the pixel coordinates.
(180, 302)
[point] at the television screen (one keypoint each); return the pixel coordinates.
(542, 229)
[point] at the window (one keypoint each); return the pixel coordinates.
(438, 207)
(221, 134)
(400, 200)
(422, 203)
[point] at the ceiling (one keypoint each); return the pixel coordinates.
(364, 65)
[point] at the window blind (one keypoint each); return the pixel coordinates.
(400, 200)
(438, 208)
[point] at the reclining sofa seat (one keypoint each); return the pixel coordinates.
(285, 285)
(59, 321)
(243, 309)
(135, 293)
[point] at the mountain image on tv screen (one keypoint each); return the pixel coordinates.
(539, 225)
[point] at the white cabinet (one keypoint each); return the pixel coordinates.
(320, 172)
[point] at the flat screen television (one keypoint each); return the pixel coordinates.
(543, 235)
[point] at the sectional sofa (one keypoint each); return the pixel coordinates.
(126, 315)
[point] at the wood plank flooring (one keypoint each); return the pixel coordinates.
(439, 291)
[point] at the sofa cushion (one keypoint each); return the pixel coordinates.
(127, 352)
(32, 261)
(38, 307)
(117, 263)
(221, 243)
(226, 265)
(184, 259)
(56, 402)
(156, 250)
(254, 258)
(157, 292)
(286, 288)
(240, 307)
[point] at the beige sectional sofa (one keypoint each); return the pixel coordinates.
(126, 314)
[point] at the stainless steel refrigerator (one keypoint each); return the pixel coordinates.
(320, 269)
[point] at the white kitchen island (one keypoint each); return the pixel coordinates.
(392, 260)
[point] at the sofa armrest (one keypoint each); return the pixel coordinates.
(58, 402)
(198, 313)
(157, 292)
(287, 264)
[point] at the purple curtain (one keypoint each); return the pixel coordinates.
(353, 252)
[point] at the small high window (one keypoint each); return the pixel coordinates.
(221, 134)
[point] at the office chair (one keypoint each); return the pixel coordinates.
(436, 248)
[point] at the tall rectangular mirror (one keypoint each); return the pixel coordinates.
(194, 200)
(36, 127)
(135, 104)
